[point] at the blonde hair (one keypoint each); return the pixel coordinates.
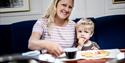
(51, 11)
(84, 22)
(50, 14)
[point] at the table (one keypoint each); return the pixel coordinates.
(14, 58)
(96, 60)
(18, 57)
(122, 50)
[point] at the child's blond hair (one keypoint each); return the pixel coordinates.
(85, 22)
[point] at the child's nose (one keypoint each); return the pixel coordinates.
(82, 34)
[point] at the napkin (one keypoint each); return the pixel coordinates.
(33, 54)
(49, 58)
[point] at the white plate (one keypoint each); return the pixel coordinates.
(47, 57)
(112, 53)
(65, 59)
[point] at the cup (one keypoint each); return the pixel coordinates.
(70, 52)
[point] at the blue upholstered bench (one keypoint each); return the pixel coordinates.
(109, 33)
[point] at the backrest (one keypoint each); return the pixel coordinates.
(110, 31)
(21, 32)
(5, 39)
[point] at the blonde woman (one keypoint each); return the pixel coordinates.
(84, 31)
(54, 31)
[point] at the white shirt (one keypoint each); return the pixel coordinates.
(64, 36)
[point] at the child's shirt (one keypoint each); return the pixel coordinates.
(89, 46)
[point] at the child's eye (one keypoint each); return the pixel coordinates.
(86, 31)
(79, 31)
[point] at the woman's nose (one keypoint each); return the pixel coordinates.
(67, 9)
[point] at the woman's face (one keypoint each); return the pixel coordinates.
(64, 8)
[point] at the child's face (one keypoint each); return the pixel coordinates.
(84, 32)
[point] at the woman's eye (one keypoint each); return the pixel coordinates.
(64, 5)
(70, 7)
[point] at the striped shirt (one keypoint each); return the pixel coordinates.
(64, 36)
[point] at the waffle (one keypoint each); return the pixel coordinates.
(99, 53)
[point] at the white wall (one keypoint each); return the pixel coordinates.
(83, 8)
(37, 8)
(114, 8)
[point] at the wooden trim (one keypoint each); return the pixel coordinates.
(118, 1)
(122, 50)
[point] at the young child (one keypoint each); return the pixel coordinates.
(84, 31)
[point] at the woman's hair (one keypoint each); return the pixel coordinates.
(51, 12)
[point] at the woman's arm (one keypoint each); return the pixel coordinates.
(35, 43)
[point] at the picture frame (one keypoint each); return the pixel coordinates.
(118, 1)
(14, 6)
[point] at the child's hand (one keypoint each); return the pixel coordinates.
(79, 47)
(81, 41)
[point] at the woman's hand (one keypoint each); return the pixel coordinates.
(53, 48)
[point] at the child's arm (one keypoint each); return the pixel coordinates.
(95, 46)
(90, 46)
(81, 43)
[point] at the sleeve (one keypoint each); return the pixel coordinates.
(96, 45)
(92, 46)
(39, 26)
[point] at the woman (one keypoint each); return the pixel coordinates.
(54, 31)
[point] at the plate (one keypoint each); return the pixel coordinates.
(97, 54)
(46, 57)
(65, 59)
